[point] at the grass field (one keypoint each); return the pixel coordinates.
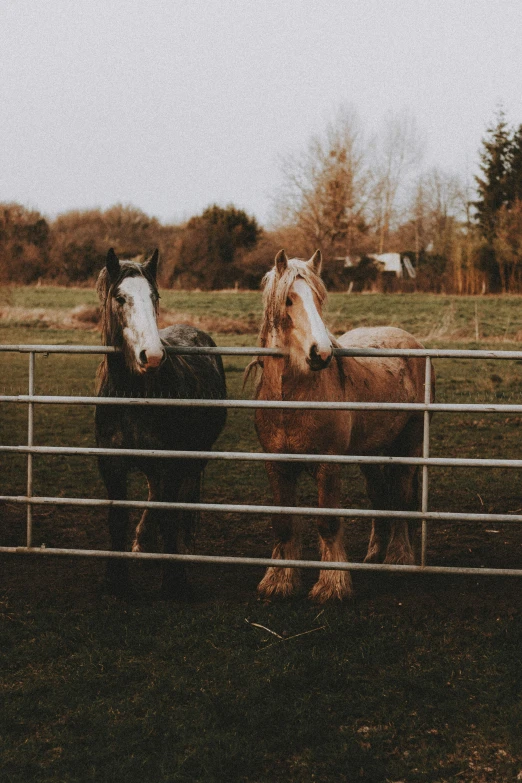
(416, 679)
(497, 319)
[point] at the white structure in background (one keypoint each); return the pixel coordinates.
(387, 262)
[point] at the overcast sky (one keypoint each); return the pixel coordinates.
(171, 105)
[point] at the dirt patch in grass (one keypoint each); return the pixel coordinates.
(79, 317)
(220, 324)
(87, 317)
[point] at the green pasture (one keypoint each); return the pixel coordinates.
(416, 679)
(435, 317)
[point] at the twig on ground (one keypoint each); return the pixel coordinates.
(264, 628)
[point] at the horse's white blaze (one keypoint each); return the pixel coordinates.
(318, 332)
(141, 330)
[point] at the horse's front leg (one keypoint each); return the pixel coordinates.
(282, 581)
(378, 493)
(177, 528)
(146, 534)
(403, 491)
(115, 479)
(331, 585)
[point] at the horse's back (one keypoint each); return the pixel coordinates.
(388, 378)
(378, 337)
(184, 334)
(207, 367)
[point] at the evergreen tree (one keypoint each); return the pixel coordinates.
(514, 179)
(495, 182)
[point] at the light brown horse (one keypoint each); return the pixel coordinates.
(293, 298)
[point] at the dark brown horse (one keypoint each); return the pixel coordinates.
(293, 298)
(142, 368)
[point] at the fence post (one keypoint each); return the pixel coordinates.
(30, 436)
(425, 454)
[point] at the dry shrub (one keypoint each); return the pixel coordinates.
(207, 323)
(88, 317)
(25, 316)
(81, 317)
(6, 296)
(86, 314)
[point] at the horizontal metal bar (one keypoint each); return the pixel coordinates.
(40, 348)
(324, 565)
(256, 456)
(43, 399)
(439, 353)
(174, 349)
(434, 353)
(307, 511)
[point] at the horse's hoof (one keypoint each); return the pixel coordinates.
(333, 590)
(399, 557)
(274, 596)
(321, 597)
(279, 583)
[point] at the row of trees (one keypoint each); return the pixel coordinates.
(72, 248)
(345, 193)
(216, 249)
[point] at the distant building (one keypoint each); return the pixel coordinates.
(394, 263)
(378, 272)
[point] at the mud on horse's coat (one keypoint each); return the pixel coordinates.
(292, 321)
(142, 368)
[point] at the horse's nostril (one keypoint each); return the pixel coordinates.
(313, 351)
(143, 357)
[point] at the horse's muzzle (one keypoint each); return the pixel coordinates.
(150, 361)
(316, 363)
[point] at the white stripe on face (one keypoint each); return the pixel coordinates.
(140, 329)
(318, 333)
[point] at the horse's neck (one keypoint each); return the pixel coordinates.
(280, 382)
(119, 381)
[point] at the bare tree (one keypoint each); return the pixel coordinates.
(325, 189)
(397, 151)
(439, 205)
(439, 223)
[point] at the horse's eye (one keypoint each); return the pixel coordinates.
(120, 300)
(288, 302)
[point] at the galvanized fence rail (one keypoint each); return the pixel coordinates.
(424, 515)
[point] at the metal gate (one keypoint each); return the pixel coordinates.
(424, 515)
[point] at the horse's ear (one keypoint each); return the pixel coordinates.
(281, 262)
(316, 262)
(152, 264)
(113, 265)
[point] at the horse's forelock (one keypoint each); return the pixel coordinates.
(127, 269)
(275, 292)
(105, 286)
